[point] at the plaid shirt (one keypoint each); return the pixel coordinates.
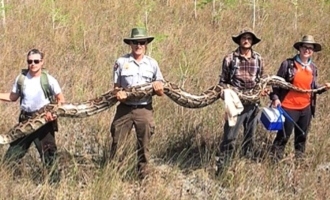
(247, 72)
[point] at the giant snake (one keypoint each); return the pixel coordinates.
(171, 90)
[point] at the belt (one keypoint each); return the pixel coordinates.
(27, 113)
(147, 106)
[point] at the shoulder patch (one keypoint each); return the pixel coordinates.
(115, 67)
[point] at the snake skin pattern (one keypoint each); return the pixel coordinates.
(174, 92)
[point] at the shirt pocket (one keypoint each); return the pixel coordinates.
(253, 71)
(127, 78)
(148, 76)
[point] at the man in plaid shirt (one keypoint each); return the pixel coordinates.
(242, 69)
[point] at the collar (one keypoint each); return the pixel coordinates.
(132, 59)
(237, 53)
(297, 59)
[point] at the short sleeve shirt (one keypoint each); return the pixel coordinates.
(33, 95)
(128, 73)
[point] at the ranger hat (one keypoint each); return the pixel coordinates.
(138, 34)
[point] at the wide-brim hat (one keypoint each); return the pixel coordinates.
(237, 38)
(139, 34)
(308, 39)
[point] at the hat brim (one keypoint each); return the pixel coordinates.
(237, 38)
(149, 39)
(317, 46)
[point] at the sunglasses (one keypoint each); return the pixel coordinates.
(246, 38)
(139, 42)
(33, 61)
(307, 48)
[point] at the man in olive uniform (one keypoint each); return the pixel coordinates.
(132, 69)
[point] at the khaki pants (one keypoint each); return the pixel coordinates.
(142, 119)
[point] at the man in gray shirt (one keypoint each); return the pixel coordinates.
(134, 69)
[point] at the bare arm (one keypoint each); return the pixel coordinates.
(9, 97)
(60, 98)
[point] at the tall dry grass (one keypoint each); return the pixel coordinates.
(82, 39)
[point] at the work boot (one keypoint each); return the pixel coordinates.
(222, 163)
(276, 154)
(144, 172)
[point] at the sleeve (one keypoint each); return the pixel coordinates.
(262, 67)
(55, 86)
(225, 71)
(116, 73)
(158, 73)
(315, 84)
(15, 88)
(282, 71)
